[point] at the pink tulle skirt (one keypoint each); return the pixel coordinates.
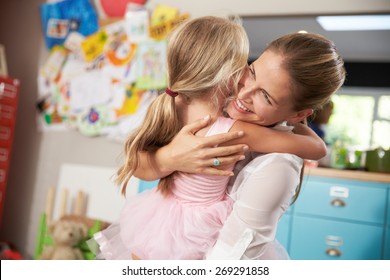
(154, 227)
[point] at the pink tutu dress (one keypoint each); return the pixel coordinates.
(184, 225)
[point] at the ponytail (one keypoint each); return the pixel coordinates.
(161, 124)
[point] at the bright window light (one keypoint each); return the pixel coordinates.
(364, 22)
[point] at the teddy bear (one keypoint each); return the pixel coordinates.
(66, 235)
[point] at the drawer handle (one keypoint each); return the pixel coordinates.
(333, 252)
(338, 202)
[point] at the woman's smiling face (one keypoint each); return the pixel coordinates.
(265, 95)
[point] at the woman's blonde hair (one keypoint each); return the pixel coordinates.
(206, 57)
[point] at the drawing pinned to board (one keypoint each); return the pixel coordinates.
(151, 65)
(93, 45)
(137, 24)
(53, 65)
(92, 121)
(62, 17)
(131, 102)
(119, 51)
(163, 13)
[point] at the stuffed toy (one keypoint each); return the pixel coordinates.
(66, 236)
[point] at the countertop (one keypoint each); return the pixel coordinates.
(348, 174)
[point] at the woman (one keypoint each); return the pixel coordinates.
(295, 75)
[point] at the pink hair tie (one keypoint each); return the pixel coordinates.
(171, 92)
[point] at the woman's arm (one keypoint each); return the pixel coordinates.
(306, 144)
(192, 154)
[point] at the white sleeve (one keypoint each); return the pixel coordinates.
(263, 191)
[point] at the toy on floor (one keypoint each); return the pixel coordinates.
(66, 236)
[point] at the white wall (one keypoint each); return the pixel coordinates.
(275, 7)
(37, 157)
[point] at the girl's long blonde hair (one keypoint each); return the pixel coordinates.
(206, 57)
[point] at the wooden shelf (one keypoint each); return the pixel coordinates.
(348, 174)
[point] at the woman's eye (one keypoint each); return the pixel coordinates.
(251, 70)
(267, 98)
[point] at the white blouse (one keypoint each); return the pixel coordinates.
(262, 192)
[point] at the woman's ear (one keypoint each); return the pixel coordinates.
(300, 116)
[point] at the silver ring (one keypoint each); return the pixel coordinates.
(216, 162)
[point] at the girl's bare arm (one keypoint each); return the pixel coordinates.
(306, 144)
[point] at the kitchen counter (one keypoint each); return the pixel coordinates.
(348, 174)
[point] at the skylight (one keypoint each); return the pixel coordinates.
(361, 22)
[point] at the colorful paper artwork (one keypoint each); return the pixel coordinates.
(163, 13)
(93, 45)
(103, 83)
(137, 25)
(91, 121)
(59, 18)
(131, 101)
(53, 65)
(57, 28)
(119, 51)
(73, 43)
(151, 65)
(160, 31)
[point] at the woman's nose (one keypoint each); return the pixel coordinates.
(246, 92)
(245, 77)
(246, 85)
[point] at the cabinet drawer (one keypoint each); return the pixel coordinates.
(387, 231)
(387, 244)
(388, 208)
(320, 239)
(283, 230)
(345, 199)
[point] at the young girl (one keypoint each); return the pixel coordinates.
(180, 219)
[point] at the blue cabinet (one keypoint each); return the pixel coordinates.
(338, 219)
(388, 209)
(386, 253)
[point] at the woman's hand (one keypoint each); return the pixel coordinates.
(195, 154)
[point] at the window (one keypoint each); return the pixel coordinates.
(361, 118)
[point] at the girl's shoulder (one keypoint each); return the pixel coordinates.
(224, 121)
(221, 125)
(246, 126)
